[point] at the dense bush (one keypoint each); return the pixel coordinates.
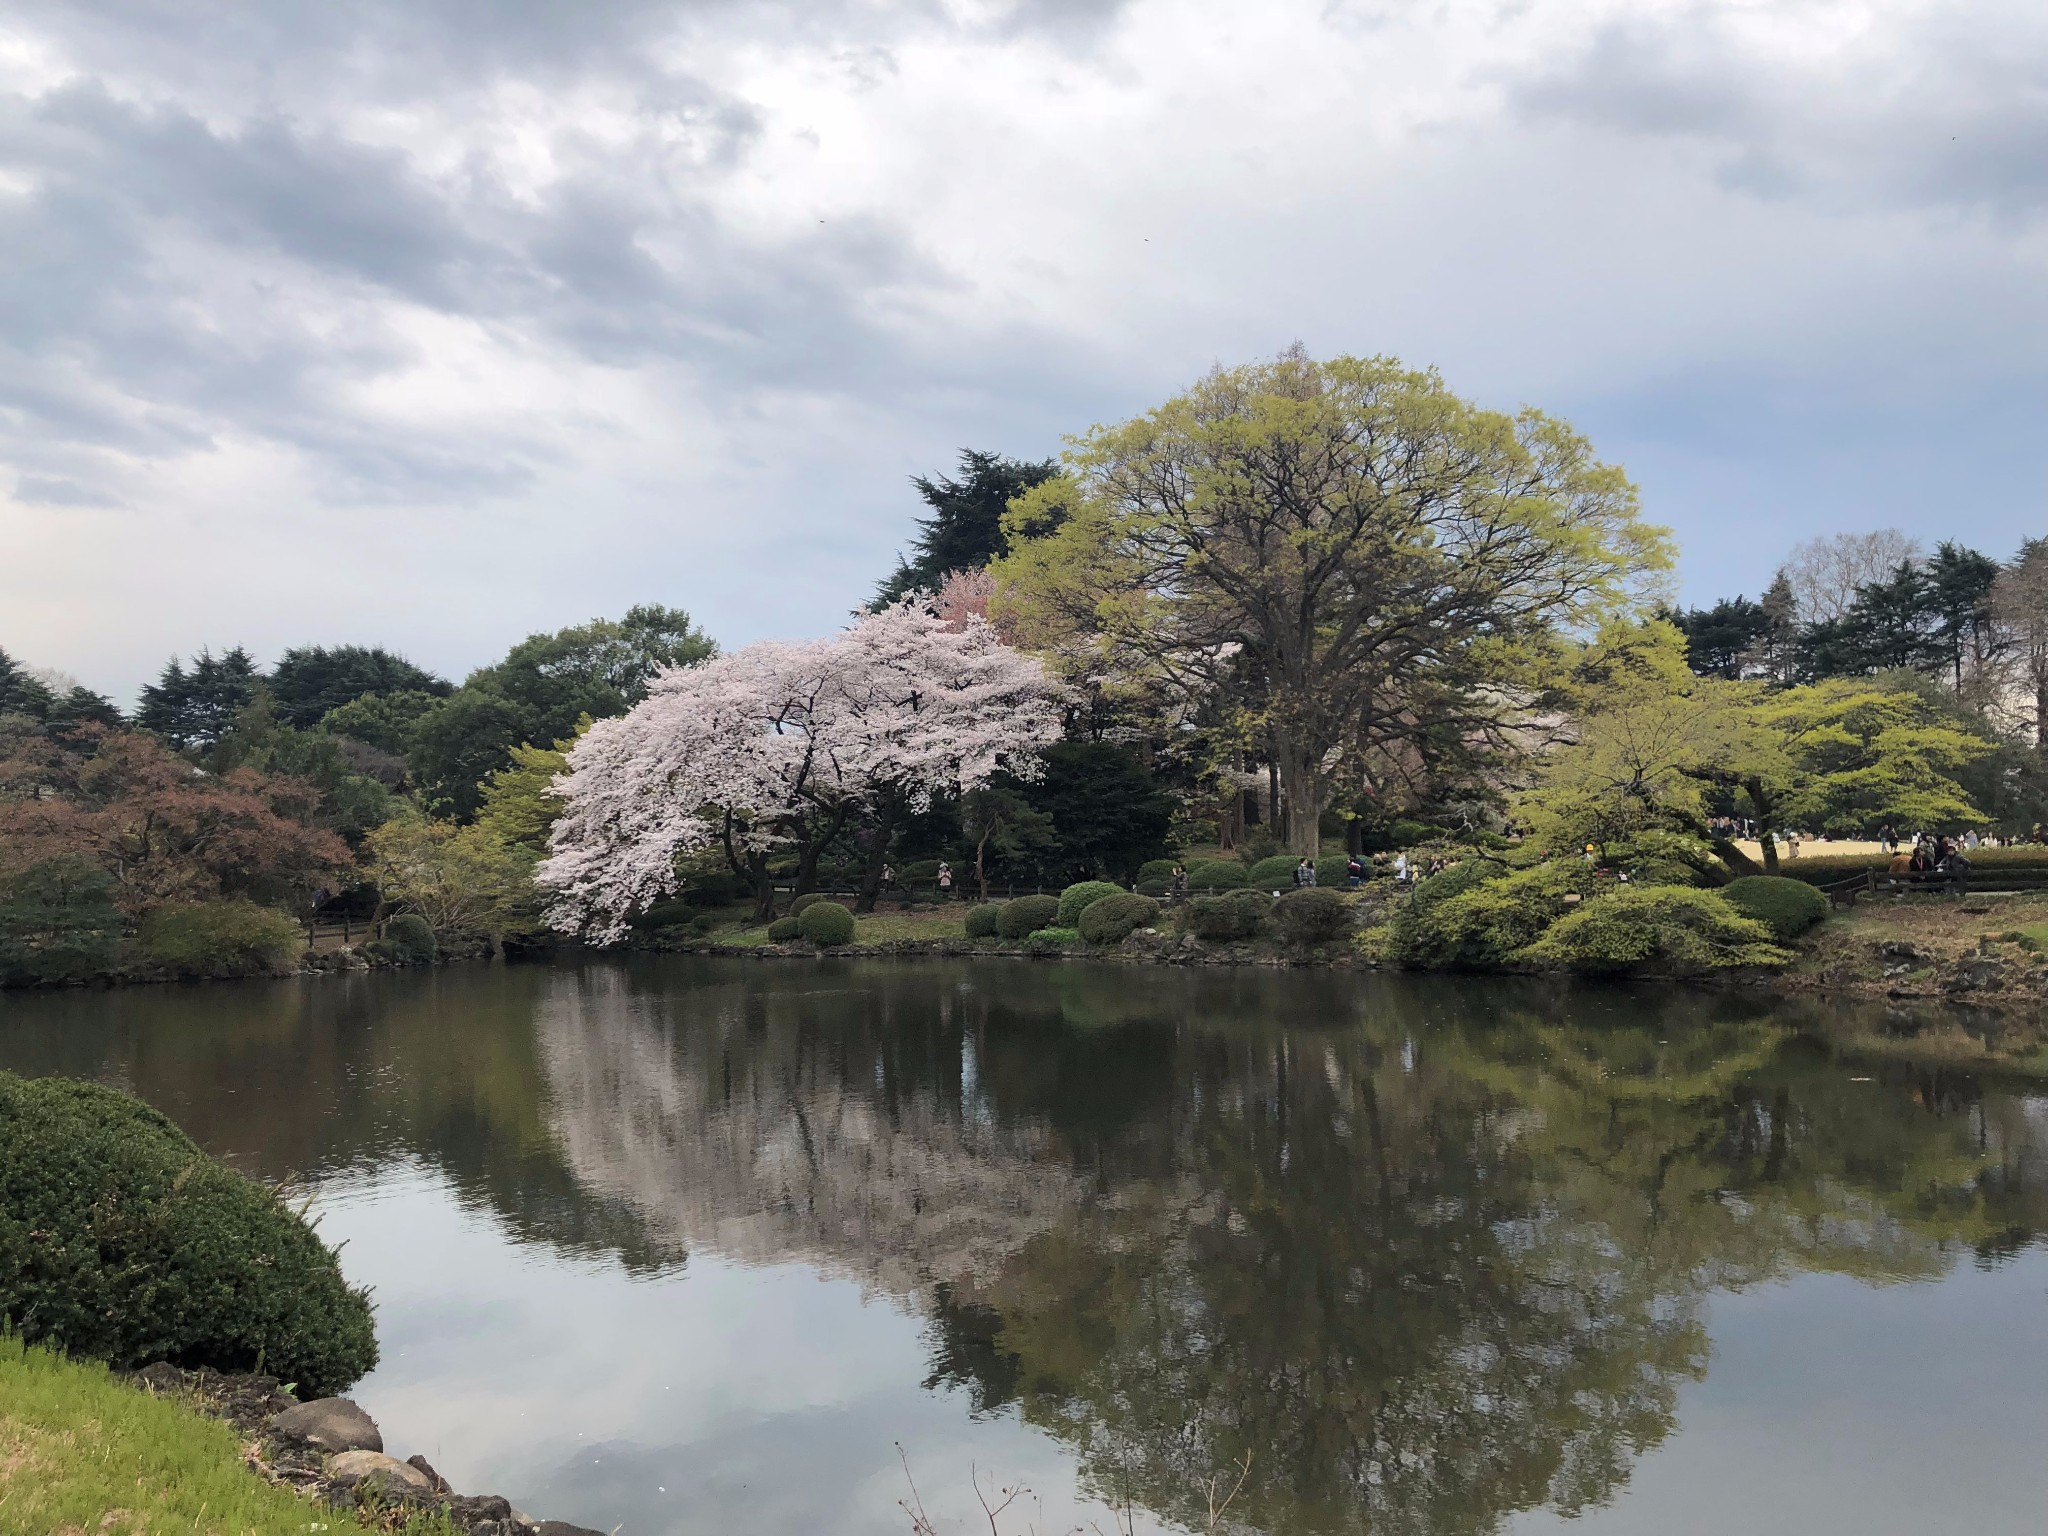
(1787, 907)
(1638, 925)
(1154, 888)
(1156, 869)
(123, 1241)
(1484, 925)
(1274, 874)
(785, 929)
(219, 938)
(1413, 937)
(922, 872)
(1026, 914)
(1312, 916)
(1221, 919)
(1076, 899)
(982, 920)
(826, 923)
(802, 904)
(1333, 871)
(714, 888)
(58, 923)
(409, 939)
(1115, 918)
(1215, 875)
(1046, 941)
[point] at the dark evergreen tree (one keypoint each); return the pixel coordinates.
(81, 706)
(310, 680)
(1108, 814)
(1959, 590)
(20, 692)
(1721, 641)
(194, 708)
(965, 530)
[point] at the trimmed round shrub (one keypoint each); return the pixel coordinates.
(1414, 937)
(410, 940)
(122, 1241)
(982, 920)
(1274, 874)
(1482, 926)
(1026, 914)
(1222, 919)
(1154, 888)
(1334, 871)
(1637, 925)
(1115, 918)
(1215, 875)
(197, 940)
(785, 929)
(1312, 916)
(1076, 899)
(1787, 907)
(826, 923)
(1046, 941)
(1156, 869)
(802, 904)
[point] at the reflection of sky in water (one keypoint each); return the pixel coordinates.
(718, 1397)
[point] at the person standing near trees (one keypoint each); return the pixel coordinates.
(1179, 885)
(945, 881)
(1304, 875)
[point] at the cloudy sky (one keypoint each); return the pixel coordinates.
(434, 322)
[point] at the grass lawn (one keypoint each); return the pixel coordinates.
(938, 922)
(82, 1454)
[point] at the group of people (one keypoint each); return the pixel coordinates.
(1930, 855)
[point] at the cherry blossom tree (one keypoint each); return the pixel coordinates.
(775, 749)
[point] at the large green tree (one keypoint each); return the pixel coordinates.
(194, 706)
(1346, 553)
(965, 530)
(311, 680)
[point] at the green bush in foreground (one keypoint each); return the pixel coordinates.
(802, 904)
(1115, 918)
(1026, 914)
(1215, 875)
(1076, 899)
(784, 929)
(1313, 916)
(1226, 918)
(1414, 935)
(86, 1452)
(1046, 941)
(826, 924)
(1787, 907)
(121, 1240)
(982, 920)
(199, 940)
(1483, 926)
(1639, 925)
(1274, 874)
(411, 941)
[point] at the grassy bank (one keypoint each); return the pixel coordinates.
(82, 1453)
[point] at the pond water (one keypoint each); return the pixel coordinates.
(689, 1245)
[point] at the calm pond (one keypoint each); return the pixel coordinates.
(694, 1245)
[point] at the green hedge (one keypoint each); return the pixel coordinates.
(802, 904)
(198, 940)
(1313, 916)
(409, 939)
(785, 930)
(826, 923)
(1046, 941)
(1076, 899)
(1026, 914)
(1223, 919)
(1484, 925)
(123, 1241)
(1157, 869)
(1274, 874)
(1115, 918)
(1215, 875)
(981, 920)
(1827, 868)
(1787, 907)
(1414, 936)
(1638, 925)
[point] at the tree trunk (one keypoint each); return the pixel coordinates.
(1302, 783)
(811, 850)
(1765, 822)
(878, 853)
(1725, 849)
(764, 887)
(980, 869)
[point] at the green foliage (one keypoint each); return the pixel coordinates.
(58, 922)
(123, 1241)
(1048, 941)
(1226, 918)
(1113, 919)
(311, 681)
(1485, 924)
(410, 940)
(1216, 875)
(212, 939)
(826, 923)
(965, 530)
(799, 905)
(1274, 874)
(518, 805)
(1156, 869)
(1413, 937)
(1109, 815)
(982, 921)
(386, 721)
(1312, 916)
(195, 708)
(1641, 925)
(785, 929)
(1026, 914)
(1076, 899)
(1787, 907)
(460, 879)
(1154, 888)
